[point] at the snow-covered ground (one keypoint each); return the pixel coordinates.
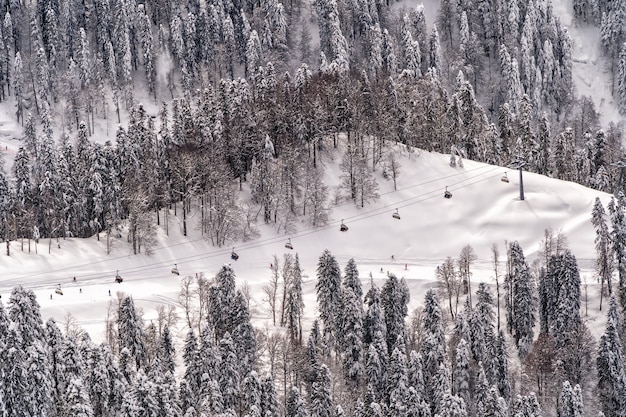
(483, 211)
(591, 71)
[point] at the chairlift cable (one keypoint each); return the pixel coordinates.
(435, 193)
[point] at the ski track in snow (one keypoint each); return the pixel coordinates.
(482, 211)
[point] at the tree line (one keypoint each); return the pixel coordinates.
(274, 139)
(363, 355)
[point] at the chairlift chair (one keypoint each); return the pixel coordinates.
(504, 178)
(288, 245)
(233, 255)
(343, 227)
(396, 215)
(447, 194)
(175, 270)
(118, 278)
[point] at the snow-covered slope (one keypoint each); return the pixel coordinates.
(591, 71)
(483, 211)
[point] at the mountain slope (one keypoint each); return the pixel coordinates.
(483, 211)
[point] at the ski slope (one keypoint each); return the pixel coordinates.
(483, 211)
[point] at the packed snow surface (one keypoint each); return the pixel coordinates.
(483, 211)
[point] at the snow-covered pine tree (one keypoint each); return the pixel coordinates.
(130, 329)
(604, 253)
(376, 360)
(618, 239)
(221, 296)
(570, 402)
(321, 400)
(521, 303)
(251, 393)
(328, 289)
(192, 377)
(144, 393)
(482, 326)
(433, 348)
(502, 367)
(167, 351)
(493, 405)
(294, 308)
(29, 371)
(296, 407)
(352, 325)
(461, 372)
(77, 399)
(269, 399)
(395, 298)
(229, 376)
(244, 336)
(374, 321)
(610, 366)
(397, 377)
(526, 406)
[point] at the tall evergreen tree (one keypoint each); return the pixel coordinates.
(352, 325)
(570, 402)
(295, 405)
(604, 254)
(395, 298)
(294, 308)
(521, 301)
(328, 289)
(610, 365)
(618, 238)
(321, 401)
(130, 329)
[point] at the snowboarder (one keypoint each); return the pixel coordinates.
(109, 293)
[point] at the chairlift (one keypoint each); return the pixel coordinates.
(175, 270)
(504, 178)
(233, 255)
(118, 278)
(58, 290)
(396, 215)
(447, 194)
(288, 245)
(343, 227)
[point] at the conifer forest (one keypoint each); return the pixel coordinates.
(229, 109)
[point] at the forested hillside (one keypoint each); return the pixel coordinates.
(229, 110)
(248, 97)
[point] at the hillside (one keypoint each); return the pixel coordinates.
(483, 211)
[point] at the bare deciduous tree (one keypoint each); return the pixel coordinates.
(394, 168)
(271, 289)
(185, 298)
(247, 293)
(415, 330)
(202, 293)
(466, 258)
(71, 327)
(166, 316)
(448, 283)
(287, 273)
(553, 243)
(495, 252)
